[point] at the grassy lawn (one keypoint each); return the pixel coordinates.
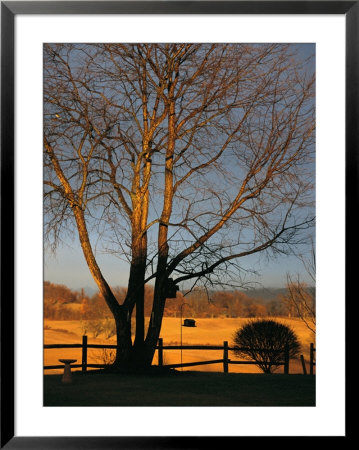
(180, 389)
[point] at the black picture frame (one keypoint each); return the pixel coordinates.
(9, 9)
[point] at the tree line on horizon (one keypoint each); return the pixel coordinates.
(63, 303)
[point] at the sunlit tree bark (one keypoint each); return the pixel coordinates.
(182, 159)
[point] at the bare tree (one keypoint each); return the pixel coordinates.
(300, 297)
(181, 159)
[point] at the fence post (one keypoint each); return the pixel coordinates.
(225, 356)
(160, 352)
(311, 364)
(286, 360)
(303, 365)
(84, 353)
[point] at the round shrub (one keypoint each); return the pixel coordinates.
(265, 342)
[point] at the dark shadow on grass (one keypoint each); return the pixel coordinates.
(176, 388)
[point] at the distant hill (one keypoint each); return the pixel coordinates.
(89, 291)
(266, 294)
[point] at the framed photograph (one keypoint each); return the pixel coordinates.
(177, 187)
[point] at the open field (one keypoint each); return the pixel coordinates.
(207, 332)
(180, 389)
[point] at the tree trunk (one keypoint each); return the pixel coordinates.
(154, 329)
(129, 356)
(159, 298)
(124, 342)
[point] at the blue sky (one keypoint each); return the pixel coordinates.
(69, 267)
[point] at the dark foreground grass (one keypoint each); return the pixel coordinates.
(180, 389)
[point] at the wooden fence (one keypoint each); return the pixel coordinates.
(160, 348)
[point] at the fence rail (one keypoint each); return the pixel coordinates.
(226, 361)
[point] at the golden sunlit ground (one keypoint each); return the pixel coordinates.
(206, 332)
